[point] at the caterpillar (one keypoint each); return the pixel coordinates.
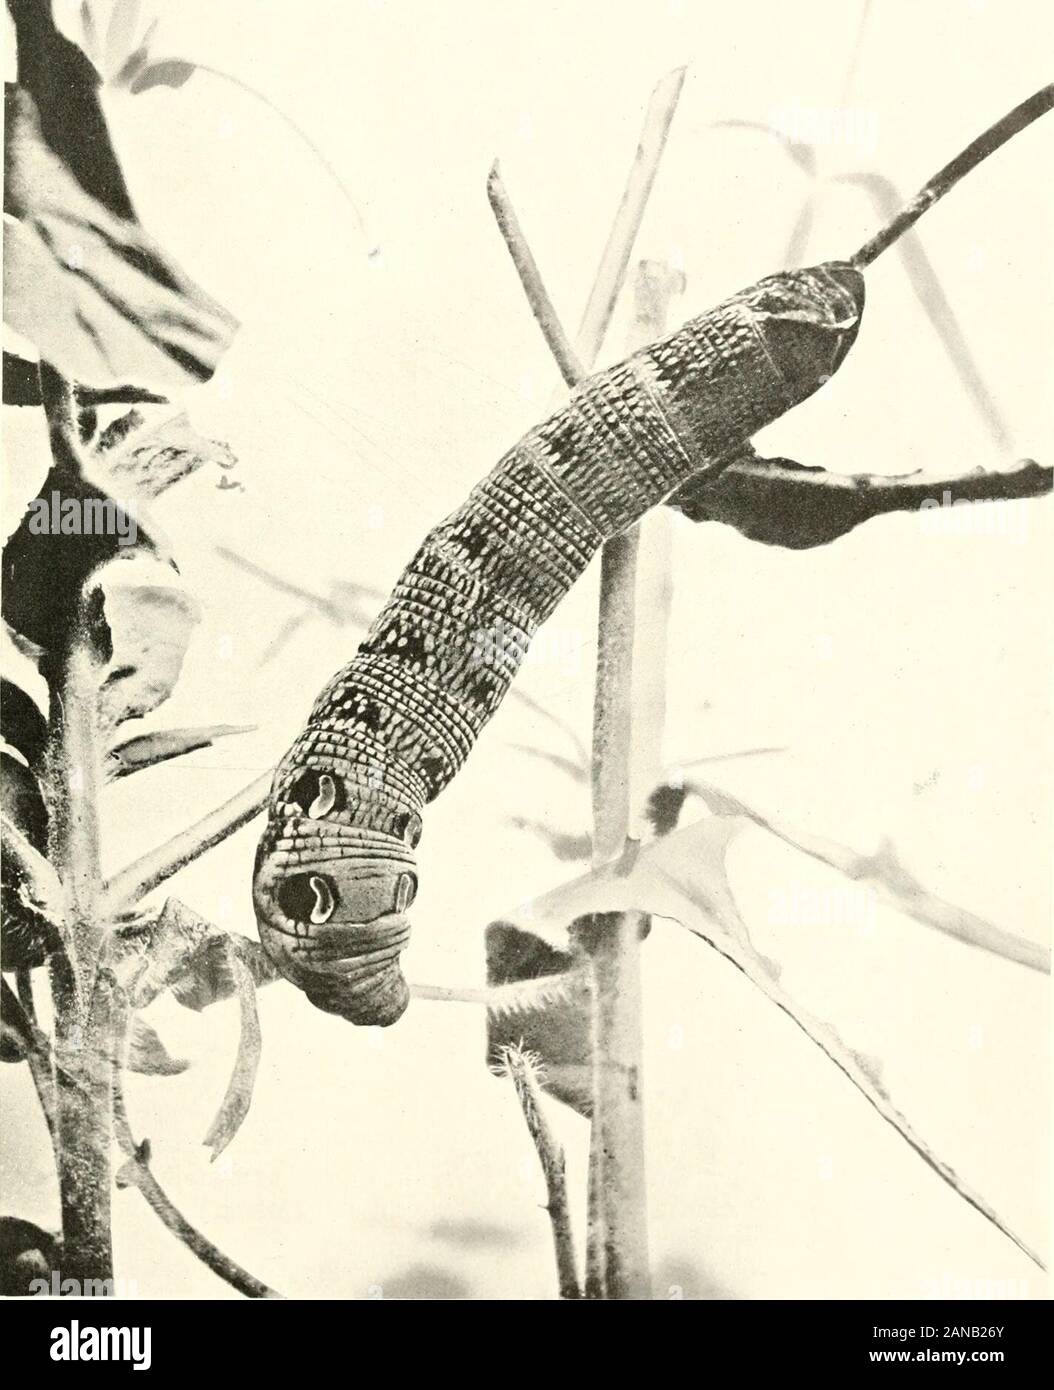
(335, 871)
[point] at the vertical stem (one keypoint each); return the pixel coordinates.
(81, 994)
(624, 751)
(617, 1249)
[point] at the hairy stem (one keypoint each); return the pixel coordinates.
(521, 1067)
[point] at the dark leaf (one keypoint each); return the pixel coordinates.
(558, 1030)
(15, 1040)
(45, 568)
(26, 1254)
(664, 807)
(28, 934)
(22, 724)
(21, 381)
(780, 502)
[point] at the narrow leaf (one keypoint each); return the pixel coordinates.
(146, 750)
(239, 1095)
(884, 872)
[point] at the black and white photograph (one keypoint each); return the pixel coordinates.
(528, 759)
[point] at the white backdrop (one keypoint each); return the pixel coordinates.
(905, 673)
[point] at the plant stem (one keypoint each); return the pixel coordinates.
(617, 1251)
(81, 993)
(521, 1067)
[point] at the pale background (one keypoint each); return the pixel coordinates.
(906, 673)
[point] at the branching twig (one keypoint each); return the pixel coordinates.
(135, 1172)
(522, 1069)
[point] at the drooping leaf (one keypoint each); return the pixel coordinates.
(146, 617)
(22, 722)
(149, 1055)
(209, 978)
(160, 952)
(184, 952)
(864, 1072)
(890, 880)
(88, 287)
(239, 1094)
(146, 750)
(553, 1021)
(682, 876)
(148, 456)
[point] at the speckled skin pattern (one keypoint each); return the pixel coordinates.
(335, 871)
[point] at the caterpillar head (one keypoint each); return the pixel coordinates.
(808, 321)
(331, 897)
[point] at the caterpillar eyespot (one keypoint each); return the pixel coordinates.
(335, 871)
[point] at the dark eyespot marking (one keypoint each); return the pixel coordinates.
(307, 898)
(317, 794)
(408, 826)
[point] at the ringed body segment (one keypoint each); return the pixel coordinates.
(335, 871)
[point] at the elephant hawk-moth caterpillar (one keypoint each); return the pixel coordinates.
(335, 871)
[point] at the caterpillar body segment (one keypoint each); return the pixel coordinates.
(335, 871)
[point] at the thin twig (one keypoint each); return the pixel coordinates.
(125, 889)
(521, 1067)
(611, 273)
(136, 1172)
(38, 1051)
(942, 182)
(571, 368)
